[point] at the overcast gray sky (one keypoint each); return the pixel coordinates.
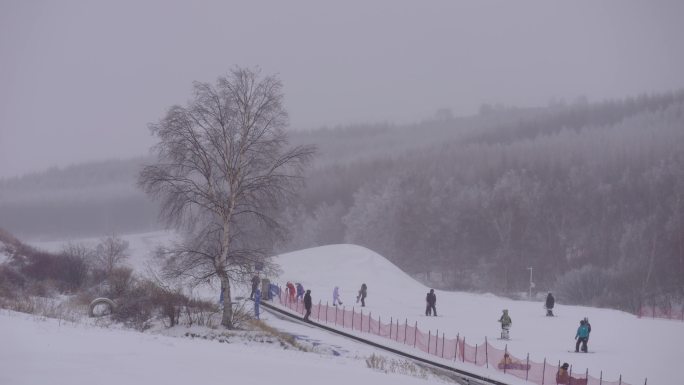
(80, 80)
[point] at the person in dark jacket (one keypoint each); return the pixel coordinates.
(582, 336)
(431, 300)
(255, 285)
(550, 301)
(362, 295)
(257, 302)
(586, 321)
(307, 304)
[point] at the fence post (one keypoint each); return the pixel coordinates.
(429, 341)
(436, 341)
(405, 329)
(396, 333)
(415, 334)
(586, 375)
(352, 318)
(361, 321)
(476, 356)
(487, 354)
(442, 344)
(370, 317)
(570, 368)
(543, 371)
(318, 312)
(620, 383)
(646, 381)
(505, 353)
(391, 326)
(527, 367)
(379, 323)
(456, 348)
(601, 378)
(463, 349)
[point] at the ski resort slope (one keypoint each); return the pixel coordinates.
(621, 343)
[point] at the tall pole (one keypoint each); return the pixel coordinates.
(531, 284)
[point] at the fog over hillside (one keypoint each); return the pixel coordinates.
(584, 192)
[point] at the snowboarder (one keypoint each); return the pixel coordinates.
(336, 296)
(582, 336)
(550, 301)
(255, 285)
(431, 301)
(362, 295)
(506, 323)
(290, 291)
(257, 302)
(300, 290)
(307, 304)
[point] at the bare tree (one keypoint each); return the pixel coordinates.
(110, 252)
(223, 168)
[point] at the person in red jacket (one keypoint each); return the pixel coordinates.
(291, 291)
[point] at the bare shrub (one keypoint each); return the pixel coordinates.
(120, 280)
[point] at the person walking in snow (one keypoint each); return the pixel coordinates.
(362, 295)
(255, 286)
(550, 301)
(307, 304)
(431, 301)
(300, 290)
(257, 302)
(336, 296)
(506, 323)
(582, 336)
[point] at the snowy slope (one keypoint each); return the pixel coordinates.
(623, 344)
(46, 351)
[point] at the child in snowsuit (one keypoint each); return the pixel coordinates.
(307, 304)
(431, 301)
(336, 296)
(300, 290)
(506, 323)
(362, 295)
(582, 336)
(550, 301)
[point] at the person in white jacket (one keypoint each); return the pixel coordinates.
(336, 296)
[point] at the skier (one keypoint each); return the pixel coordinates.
(431, 301)
(582, 336)
(550, 301)
(300, 290)
(336, 296)
(506, 323)
(290, 291)
(362, 295)
(307, 304)
(257, 302)
(255, 285)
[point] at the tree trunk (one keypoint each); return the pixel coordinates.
(227, 319)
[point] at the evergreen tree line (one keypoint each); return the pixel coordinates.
(590, 196)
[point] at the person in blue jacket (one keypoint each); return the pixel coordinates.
(257, 302)
(582, 336)
(300, 290)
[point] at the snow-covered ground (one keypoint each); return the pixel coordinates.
(623, 344)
